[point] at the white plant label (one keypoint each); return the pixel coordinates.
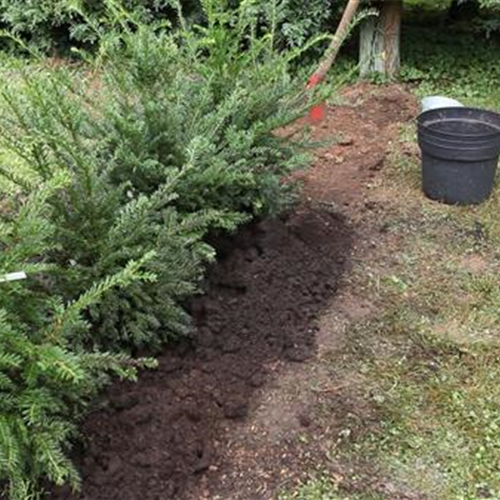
(13, 277)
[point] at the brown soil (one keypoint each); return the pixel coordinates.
(358, 136)
(263, 299)
(227, 415)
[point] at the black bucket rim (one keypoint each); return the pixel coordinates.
(495, 131)
(459, 142)
(460, 138)
(496, 127)
(469, 154)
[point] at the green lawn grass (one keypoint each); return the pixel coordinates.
(431, 357)
(321, 488)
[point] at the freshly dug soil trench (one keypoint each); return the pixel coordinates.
(155, 438)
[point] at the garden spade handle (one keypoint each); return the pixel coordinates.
(334, 47)
(317, 113)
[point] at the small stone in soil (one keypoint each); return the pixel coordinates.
(193, 413)
(235, 409)
(125, 403)
(298, 354)
(484, 493)
(205, 461)
(170, 365)
(139, 415)
(346, 141)
(205, 337)
(258, 380)
(231, 346)
(304, 420)
(142, 460)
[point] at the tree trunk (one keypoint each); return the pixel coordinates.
(380, 40)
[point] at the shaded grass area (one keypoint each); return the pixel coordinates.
(434, 352)
(429, 359)
(321, 488)
(458, 60)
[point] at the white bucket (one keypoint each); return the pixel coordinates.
(437, 101)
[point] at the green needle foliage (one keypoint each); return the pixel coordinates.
(54, 25)
(169, 135)
(45, 381)
(100, 226)
(113, 173)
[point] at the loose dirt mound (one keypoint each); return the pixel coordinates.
(286, 435)
(154, 439)
(357, 136)
(263, 298)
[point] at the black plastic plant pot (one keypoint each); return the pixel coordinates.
(460, 152)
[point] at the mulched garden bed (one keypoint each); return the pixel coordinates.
(153, 439)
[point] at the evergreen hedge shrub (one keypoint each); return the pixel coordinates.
(56, 25)
(45, 381)
(116, 170)
(172, 136)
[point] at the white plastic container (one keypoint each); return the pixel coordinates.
(437, 101)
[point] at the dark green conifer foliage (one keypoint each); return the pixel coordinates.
(45, 381)
(168, 136)
(113, 172)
